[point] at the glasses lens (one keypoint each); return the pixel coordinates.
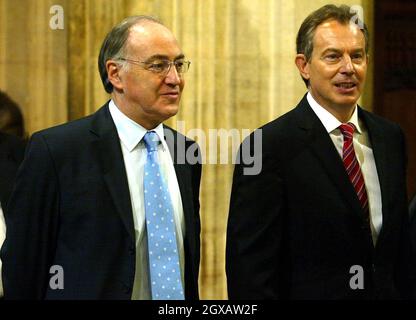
(163, 67)
(182, 66)
(159, 66)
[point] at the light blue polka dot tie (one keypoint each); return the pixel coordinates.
(165, 274)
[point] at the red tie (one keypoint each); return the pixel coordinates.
(352, 166)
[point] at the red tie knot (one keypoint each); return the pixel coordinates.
(347, 129)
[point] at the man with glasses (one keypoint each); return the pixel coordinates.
(107, 207)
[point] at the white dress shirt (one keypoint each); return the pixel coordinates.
(365, 157)
(2, 237)
(135, 154)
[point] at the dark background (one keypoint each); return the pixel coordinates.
(395, 71)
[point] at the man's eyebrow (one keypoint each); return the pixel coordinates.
(331, 50)
(164, 57)
(358, 49)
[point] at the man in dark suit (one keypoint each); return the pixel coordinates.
(78, 220)
(326, 218)
(11, 155)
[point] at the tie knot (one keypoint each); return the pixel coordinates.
(151, 140)
(347, 129)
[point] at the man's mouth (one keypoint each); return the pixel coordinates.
(172, 94)
(345, 85)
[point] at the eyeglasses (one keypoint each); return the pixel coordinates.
(162, 67)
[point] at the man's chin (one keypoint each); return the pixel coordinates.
(347, 100)
(170, 111)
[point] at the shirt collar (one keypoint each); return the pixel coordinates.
(129, 131)
(328, 120)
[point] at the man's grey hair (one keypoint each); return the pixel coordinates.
(114, 45)
(342, 14)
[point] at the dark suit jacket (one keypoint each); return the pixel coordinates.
(296, 229)
(11, 155)
(71, 207)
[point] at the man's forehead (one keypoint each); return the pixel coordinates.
(333, 26)
(151, 38)
(330, 31)
(149, 29)
(141, 28)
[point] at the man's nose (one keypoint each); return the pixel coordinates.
(173, 77)
(347, 65)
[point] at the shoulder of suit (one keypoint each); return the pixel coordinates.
(68, 137)
(73, 126)
(72, 129)
(279, 129)
(386, 123)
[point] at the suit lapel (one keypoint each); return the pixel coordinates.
(323, 148)
(106, 146)
(183, 176)
(184, 181)
(378, 144)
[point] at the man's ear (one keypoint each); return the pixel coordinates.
(303, 65)
(113, 74)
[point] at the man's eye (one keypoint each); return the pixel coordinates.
(357, 57)
(179, 65)
(331, 57)
(157, 66)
